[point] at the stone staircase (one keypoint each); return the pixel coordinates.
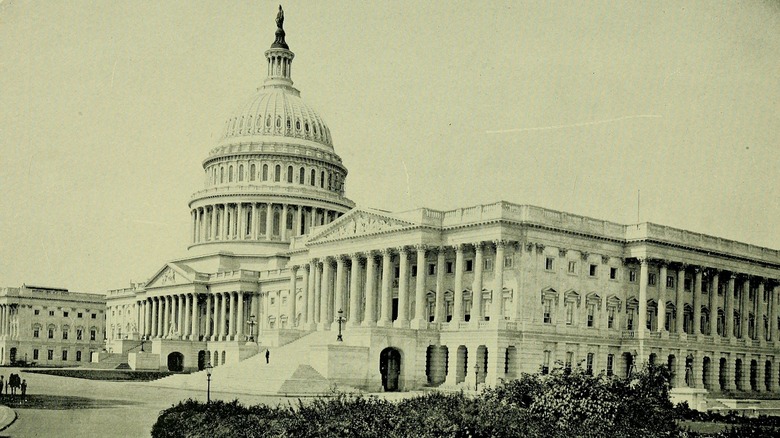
(109, 361)
(288, 372)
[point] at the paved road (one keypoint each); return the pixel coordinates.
(68, 407)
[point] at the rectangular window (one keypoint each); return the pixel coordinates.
(591, 315)
(687, 284)
(414, 270)
(569, 312)
(651, 279)
(36, 332)
(488, 264)
(670, 281)
(613, 273)
(548, 264)
(589, 365)
(592, 270)
(508, 262)
(51, 313)
(273, 300)
(548, 312)
(78, 356)
(650, 319)
(546, 362)
(51, 333)
(469, 265)
(92, 335)
(611, 318)
(632, 276)
(79, 334)
(65, 314)
(630, 320)
(35, 354)
(610, 364)
(450, 267)
(431, 268)
(569, 360)
(50, 355)
(79, 315)
(37, 311)
(572, 267)
(65, 334)
(64, 354)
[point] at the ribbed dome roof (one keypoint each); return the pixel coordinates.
(278, 111)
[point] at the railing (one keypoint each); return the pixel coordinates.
(628, 334)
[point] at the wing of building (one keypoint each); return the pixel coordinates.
(279, 255)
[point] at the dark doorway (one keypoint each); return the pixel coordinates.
(202, 360)
(12, 355)
(175, 361)
(390, 368)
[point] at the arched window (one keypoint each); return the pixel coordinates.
(312, 179)
(306, 127)
(278, 173)
(330, 181)
(230, 174)
(252, 171)
(268, 121)
(240, 172)
(265, 172)
(289, 124)
(221, 174)
(301, 175)
(298, 125)
(278, 122)
(276, 224)
(289, 174)
(289, 221)
(322, 179)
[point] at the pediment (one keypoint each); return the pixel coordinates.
(359, 222)
(169, 275)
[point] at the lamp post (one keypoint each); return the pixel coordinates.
(340, 320)
(476, 377)
(142, 344)
(251, 324)
(208, 382)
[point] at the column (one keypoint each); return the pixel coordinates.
(312, 296)
(254, 221)
(240, 316)
(697, 302)
(386, 303)
(369, 316)
(714, 285)
(186, 331)
(744, 309)
(194, 323)
(338, 301)
(213, 223)
(208, 334)
(680, 310)
(291, 296)
(317, 299)
(283, 223)
(240, 222)
(148, 320)
(298, 221)
(224, 222)
(354, 291)
(642, 326)
(476, 287)
(773, 318)
(420, 320)
(760, 372)
(498, 283)
(698, 369)
(233, 316)
(662, 296)
(180, 322)
(157, 320)
(219, 314)
(269, 221)
(194, 227)
(403, 288)
(760, 314)
(728, 297)
(305, 298)
(438, 316)
(165, 311)
(325, 294)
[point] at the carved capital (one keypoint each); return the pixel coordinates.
(458, 247)
(385, 252)
(604, 260)
(500, 243)
(539, 248)
(529, 246)
(584, 255)
(421, 247)
(562, 252)
(642, 260)
(294, 268)
(356, 256)
(402, 250)
(663, 263)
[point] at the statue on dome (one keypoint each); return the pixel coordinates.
(280, 18)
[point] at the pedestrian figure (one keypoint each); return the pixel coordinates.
(1, 384)
(267, 356)
(24, 389)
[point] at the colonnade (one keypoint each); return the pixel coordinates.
(742, 295)
(179, 316)
(255, 221)
(362, 285)
(9, 328)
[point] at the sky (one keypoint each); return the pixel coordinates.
(107, 110)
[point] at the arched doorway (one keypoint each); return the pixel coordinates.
(175, 361)
(390, 368)
(12, 355)
(202, 361)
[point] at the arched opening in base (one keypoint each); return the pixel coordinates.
(390, 368)
(176, 361)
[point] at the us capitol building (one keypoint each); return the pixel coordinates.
(280, 257)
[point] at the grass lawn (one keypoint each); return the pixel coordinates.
(111, 375)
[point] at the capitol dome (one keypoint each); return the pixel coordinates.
(274, 174)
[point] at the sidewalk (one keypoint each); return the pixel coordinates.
(7, 416)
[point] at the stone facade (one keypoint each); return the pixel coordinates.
(50, 326)
(427, 298)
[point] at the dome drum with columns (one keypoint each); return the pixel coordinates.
(274, 174)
